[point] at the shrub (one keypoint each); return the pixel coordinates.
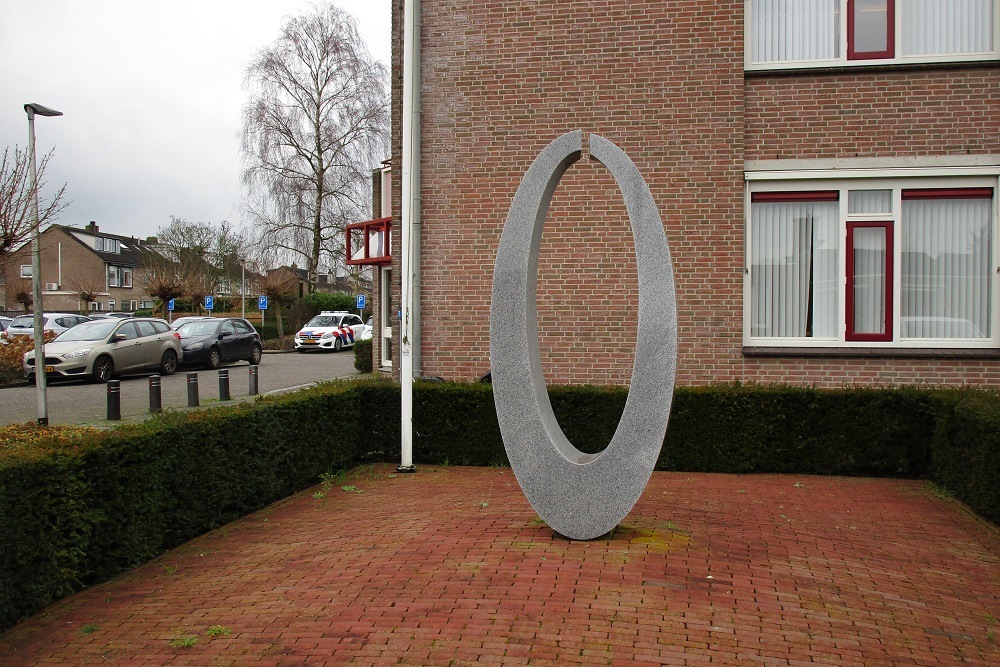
(363, 355)
(319, 301)
(12, 354)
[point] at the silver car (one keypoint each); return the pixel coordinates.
(101, 349)
(24, 325)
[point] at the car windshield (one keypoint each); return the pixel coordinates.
(198, 328)
(324, 321)
(24, 321)
(93, 330)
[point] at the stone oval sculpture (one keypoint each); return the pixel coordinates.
(581, 496)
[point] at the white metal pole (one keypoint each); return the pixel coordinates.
(410, 182)
(36, 280)
(243, 291)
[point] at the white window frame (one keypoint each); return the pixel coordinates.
(896, 179)
(842, 59)
(26, 270)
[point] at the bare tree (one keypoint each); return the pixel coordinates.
(87, 286)
(23, 294)
(316, 120)
(161, 278)
(279, 287)
(16, 195)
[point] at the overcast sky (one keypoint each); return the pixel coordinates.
(151, 94)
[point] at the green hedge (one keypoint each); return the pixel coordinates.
(363, 355)
(77, 510)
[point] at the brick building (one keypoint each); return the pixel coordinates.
(826, 171)
(76, 261)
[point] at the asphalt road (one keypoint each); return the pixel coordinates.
(84, 403)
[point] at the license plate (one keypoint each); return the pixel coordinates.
(50, 369)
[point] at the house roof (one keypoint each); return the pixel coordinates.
(131, 247)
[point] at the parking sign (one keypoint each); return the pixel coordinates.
(361, 302)
(209, 302)
(170, 305)
(262, 302)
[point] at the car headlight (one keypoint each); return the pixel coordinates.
(327, 335)
(195, 346)
(76, 353)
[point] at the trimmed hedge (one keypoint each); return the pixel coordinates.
(363, 355)
(79, 507)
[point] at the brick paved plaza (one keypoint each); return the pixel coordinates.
(450, 566)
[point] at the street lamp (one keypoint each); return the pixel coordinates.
(36, 263)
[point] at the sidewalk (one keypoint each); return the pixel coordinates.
(450, 566)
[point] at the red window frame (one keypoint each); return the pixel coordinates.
(368, 229)
(890, 38)
(850, 334)
(791, 196)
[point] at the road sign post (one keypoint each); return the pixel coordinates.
(262, 306)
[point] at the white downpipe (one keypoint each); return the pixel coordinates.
(410, 248)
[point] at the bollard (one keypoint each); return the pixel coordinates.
(155, 396)
(253, 380)
(114, 400)
(192, 390)
(223, 384)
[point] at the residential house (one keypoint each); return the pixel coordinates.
(826, 171)
(82, 269)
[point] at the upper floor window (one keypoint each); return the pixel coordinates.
(830, 33)
(26, 270)
(103, 244)
(119, 276)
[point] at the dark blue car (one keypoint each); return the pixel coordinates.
(210, 342)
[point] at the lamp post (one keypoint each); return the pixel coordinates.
(36, 264)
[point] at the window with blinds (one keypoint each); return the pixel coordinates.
(813, 33)
(864, 263)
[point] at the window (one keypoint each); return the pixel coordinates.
(119, 276)
(825, 33)
(103, 244)
(904, 263)
(26, 270)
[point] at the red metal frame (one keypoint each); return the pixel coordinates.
(792, 196)
(949, 193)
(890, 38)
(370, 227)
(870, 337)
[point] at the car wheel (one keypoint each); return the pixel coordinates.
(255, 355)
(104, 369)
(168, 364)
(214, 359)
(338, 345)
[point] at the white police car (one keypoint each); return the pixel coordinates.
(329, 331)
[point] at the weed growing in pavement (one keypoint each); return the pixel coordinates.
(489, 494)
(326, 482)
(940, 491)
(89, 629)
(170, 569)
(217, 631)
(350, 488)
(184, 642)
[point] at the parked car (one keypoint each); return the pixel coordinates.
(116, 314)
(181, 321)
(329, 331)
(366, 332)
(24, 325)
(4, 321)
(210, 341)
(103, 349)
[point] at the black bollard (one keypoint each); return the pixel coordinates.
(114, 400)
(192, 390)
(155, 395)
(253, 380)
(223, 384)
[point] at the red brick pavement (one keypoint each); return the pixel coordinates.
(450, 566)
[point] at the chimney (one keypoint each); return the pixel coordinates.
(152, 240)
(93, 228)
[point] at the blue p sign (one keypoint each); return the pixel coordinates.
(361, 302)
(262, 302)
(170, 305)
(209, 302)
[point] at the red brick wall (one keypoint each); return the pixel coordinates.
(665, 81)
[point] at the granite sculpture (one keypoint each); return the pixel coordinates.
(581, 496)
